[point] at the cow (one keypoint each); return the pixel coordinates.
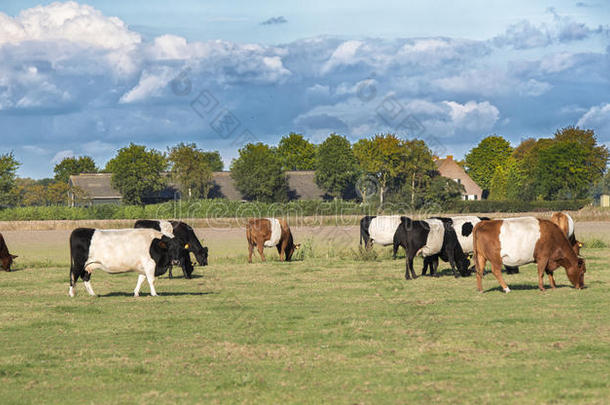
(145, 251)
(566, 224)
(379, 230)
(523, 240)
(6, 259)
(430, 237)
(270, 232)
(463, 226)
(185, 235)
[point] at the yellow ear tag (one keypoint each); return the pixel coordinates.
(186, 246)
(580, 245)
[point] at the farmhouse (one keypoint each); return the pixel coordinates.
(449, 168)
(98, 188)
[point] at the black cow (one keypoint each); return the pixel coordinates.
(6, 259)
(185, 234)
(431, 237)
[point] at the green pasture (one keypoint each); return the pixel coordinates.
(329, 328)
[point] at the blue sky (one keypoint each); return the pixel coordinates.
(88, 78)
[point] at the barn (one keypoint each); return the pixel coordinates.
(449, 168)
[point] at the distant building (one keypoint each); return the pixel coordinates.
(98, 188)
(449, 168)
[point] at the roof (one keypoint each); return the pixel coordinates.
(96, 185)
(99, 186)
(301, 184)
(449, 168)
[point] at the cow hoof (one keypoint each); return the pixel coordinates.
(71, 292)
(507, 290)
(136, 295)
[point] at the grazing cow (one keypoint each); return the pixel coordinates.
(519, 241)
(566, 224)
(270, 232)
(379, 230)
(430, 237)
(185, 235)
(463, 227)
(6, 259)
(145, 251)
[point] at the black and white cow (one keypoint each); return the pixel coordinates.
(379, 230)
(430, 237)
(463, 227)
(145, 251)
(185, 235)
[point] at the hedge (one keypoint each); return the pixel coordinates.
(220, 208)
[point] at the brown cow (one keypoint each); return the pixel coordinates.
(6, 258)
(566, 224)
(518, 241)
(269, 232)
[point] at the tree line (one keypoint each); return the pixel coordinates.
(385, 168)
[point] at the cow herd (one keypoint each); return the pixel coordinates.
(152, 247)
(510, 242)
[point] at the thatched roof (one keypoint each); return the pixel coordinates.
(449, 168)
(301, 184)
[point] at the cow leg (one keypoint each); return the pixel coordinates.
(434, 267)
(541, 268)
(280, 250)
(250, 251)
(451, 258)
(409, 264)
(150, 277)
(394, 250)
(479, 264)
(260, 244)
(424, 270)
(170, 272)
(496, 269)
(86, 278)
(551, 279)
(136, 291)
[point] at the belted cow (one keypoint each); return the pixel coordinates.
(430, 237)
(519, 241)
(270, 232)
(6, 259)
(185, 235)
(379, 230)
(145, 251)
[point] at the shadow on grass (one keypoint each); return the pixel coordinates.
(193, 276)
(517, 287)
(163, 294)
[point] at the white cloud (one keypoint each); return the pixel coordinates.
(61, 155)
(473, 116)
(150, 85)
(597, 118)
(68, 21)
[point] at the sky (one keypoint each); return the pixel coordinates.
(87, 78)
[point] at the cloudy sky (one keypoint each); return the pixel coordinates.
(87, 78)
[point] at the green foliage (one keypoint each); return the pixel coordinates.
(258, 174)
(72, 166)
(137, 172)
(486, 206)
(214, 161)
(595, 244)
(482, 160)
(383, 157)
(336, 166)
(190, 169)
(296, 153)
(8, 174)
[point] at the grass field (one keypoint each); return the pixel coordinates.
(328, 328)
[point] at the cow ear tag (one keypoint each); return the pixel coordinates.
(186, 246)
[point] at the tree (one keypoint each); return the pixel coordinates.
(137, 172)
(441, 190)
(562, 171)
(420, 169)
(382, 157)
(72, 166)
(214, 161)
(58, 193)
(258, 173)
(8, 174)
(482, 160)
(336, 166)
(190, 168)
(296, 153)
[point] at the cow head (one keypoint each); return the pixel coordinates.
(464, 266)
(7, 262)
(576, 246)
(576, 273)
(201, 255)
(290, 248)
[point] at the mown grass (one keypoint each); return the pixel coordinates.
(323, 329)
